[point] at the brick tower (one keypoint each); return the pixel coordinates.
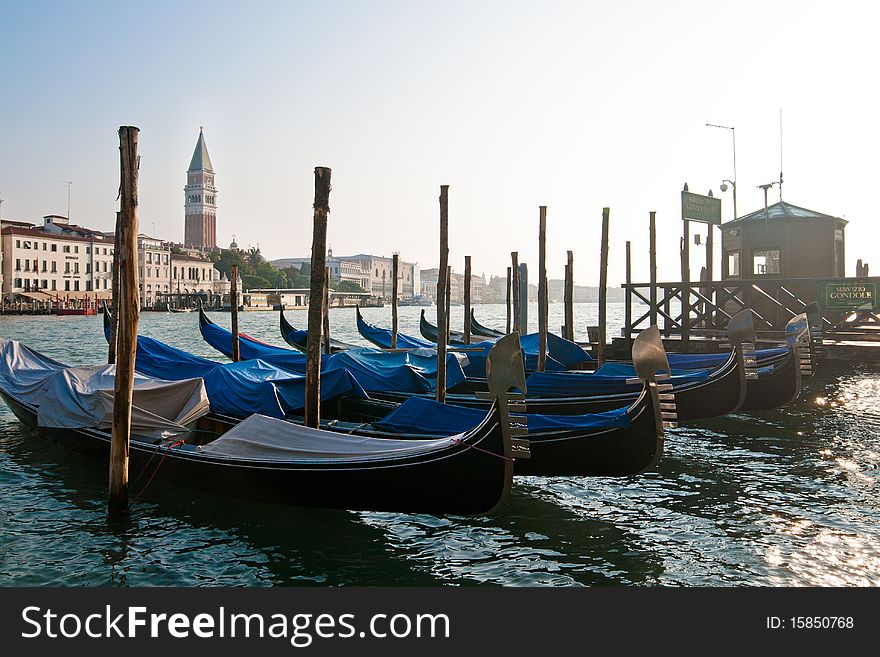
(200, 222)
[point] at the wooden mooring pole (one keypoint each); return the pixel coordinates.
(568, 297)
(517, 316)
(442, 294)
(685, 281)
(448, 301)
(524, 297)
(316, 297)
(233, 307)
(627, 312)
(467, 299)
(394, 266)
(114, 293)
(542, 288)
(325, 339)
(603, 285)
(507, 329)
(652, 267)
(125, 255)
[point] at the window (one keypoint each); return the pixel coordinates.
(88, 249)
(54, 267)
(76, 249)
(27, 265)
(88, 286)
(17, 282)
(44, 266)
(66, 267)
(44, 284)
(105, 283)
(44, 246)
(105, 251)
(76, 286)
(54, 284)
(75, 267)
(733, 264)
(765, 262)
(18, 265)
(66, 248)
(18, 246)
(67, 286)
(54, 248)
(88, 268)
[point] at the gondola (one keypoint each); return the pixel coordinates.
(298, 338)
(429, 332)
(624, 441)
(483, 331)
(407, 372)
(382, 337)
(269, 460)
(783, 383)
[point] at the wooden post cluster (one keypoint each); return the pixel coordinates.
(603, 285)
(568, 297)
(312, 410)
(394, 266)
(517, 315)
(542, 288)
(125, 262)
(233, 306)
(442, 293)
(467, 299)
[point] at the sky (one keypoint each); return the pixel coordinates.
(514, 105)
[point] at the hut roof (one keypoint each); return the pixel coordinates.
(783, 210)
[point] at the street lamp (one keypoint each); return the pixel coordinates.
(68, 183)
(732, 182)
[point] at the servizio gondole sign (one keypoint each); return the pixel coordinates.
(696, 207)
(851, 294)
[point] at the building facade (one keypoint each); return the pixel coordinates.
(191, 274)
(200, 195)
(154, 269)
(58, 258)
(372, 273)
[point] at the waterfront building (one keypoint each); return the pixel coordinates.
(55, 260)
(372, 273)
(456, 286)
(192, 274)
(153, 269)
(200, 195)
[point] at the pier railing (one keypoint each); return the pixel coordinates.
(705, 307)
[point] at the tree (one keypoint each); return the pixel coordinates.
(249, 282)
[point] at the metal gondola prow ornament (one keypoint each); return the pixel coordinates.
(741, 333)
(799, 338)
(505, 371)
(652, 365)
(817, 345)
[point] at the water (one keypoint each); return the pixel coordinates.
(786, 497)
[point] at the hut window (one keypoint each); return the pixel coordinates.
(765, 262)
(733, 263)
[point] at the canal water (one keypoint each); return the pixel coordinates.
(785, 497)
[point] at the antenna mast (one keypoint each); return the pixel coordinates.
(780, 154)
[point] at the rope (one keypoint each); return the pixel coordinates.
(459, 441)
(162, 460)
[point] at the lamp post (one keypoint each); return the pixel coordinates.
(732, 182)
(68, 183)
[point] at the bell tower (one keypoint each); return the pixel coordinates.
(200, 195)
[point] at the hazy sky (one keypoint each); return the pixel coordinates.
(574, 105)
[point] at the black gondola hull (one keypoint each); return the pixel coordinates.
(459, 480)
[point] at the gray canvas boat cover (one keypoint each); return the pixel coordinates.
(265, 438)
(82, 397)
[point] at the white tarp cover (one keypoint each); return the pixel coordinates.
(266, 438)
(82, 397)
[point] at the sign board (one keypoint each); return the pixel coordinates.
(847, 294)
(696, 207)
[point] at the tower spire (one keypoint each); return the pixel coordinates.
(200, 199)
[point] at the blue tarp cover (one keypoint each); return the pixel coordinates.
(243, 388)
(584, 384)
(382, 337)
(374, 370)
(425, 416)
(708, 361)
